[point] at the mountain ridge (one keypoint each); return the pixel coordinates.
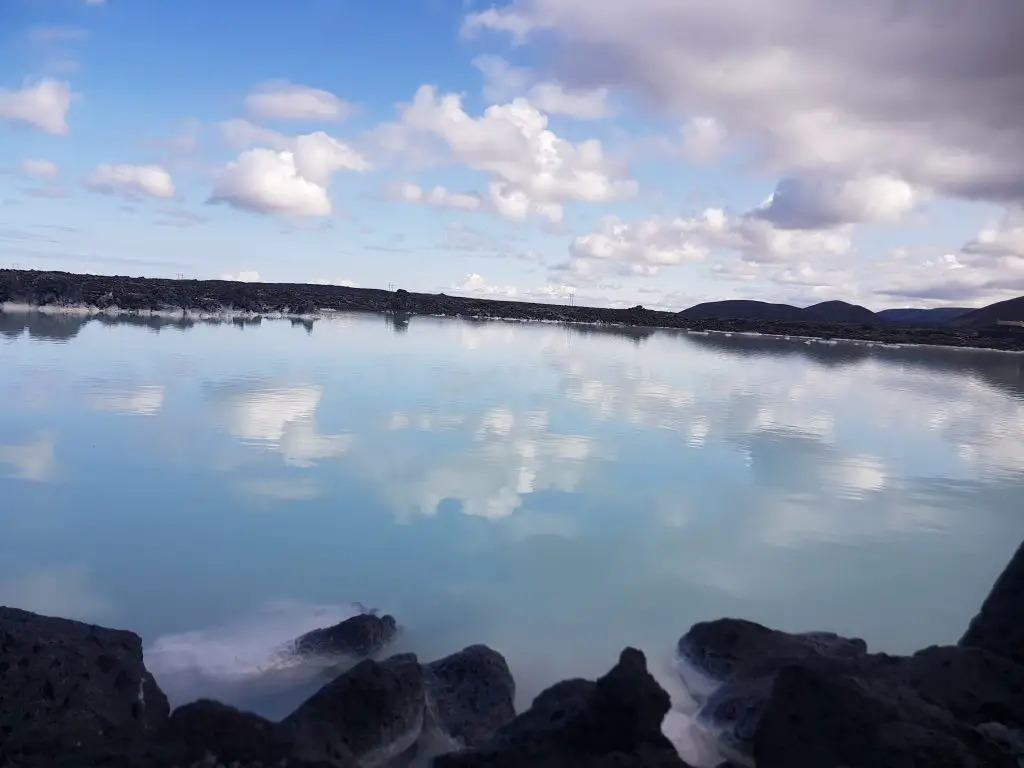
(141, 296)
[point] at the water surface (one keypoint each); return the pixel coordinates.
(555, 492)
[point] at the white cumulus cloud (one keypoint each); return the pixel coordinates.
(131, 181)
(532, 170)
(339, 281)
(243, 134)
(245, 276)
(644, 246)
(987, 268)
(43, 106)
(39, 169)
(816, 203)
(476, 284)
(927, 92)
(282, 100)
(265, 181)
(504, 82)
(318, 156)
(438, 197)
(279, 174)
(703, 138)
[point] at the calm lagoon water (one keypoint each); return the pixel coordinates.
(555, 492)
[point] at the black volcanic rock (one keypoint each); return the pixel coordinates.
(76, 695)
(303, 306)
(842, 312)
(69, 687)
(208, 727)
(818, 720)
(400, 301)
(471, 694)
(359, 636)
(613, 722)
(819, 699)
(374, 712)
(48, 289)
(999, 625)
(552, 709)
(737, 309)
(727, 649)
(975, 686)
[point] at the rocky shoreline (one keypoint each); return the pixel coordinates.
(74, 694)
(146, 295)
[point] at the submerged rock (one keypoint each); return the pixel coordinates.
(613, 722)
(373, 712)
(471, 694)
(68, 687)
(360, 636)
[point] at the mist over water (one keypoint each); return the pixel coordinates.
(557, 493)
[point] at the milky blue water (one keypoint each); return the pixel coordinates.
(555, 492)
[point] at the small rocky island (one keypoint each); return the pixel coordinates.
(74, 694)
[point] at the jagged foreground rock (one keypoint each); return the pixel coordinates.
(470, 695)
(999, 625)
(819, 700)
(75, 695)
(372, 713)
(66, 685)
(79, 695)
(615, 721)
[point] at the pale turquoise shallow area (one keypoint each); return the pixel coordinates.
(555, 492)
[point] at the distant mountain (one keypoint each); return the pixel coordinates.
(1011, 309)
(843, 312)
(936, 316)
(736, 309)
(825, 312)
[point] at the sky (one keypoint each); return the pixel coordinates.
(655, 152)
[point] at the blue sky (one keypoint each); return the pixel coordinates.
(655, 154)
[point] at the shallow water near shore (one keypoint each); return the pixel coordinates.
(555, 492)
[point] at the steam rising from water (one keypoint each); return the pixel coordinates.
(248, 662)
(688, 688)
